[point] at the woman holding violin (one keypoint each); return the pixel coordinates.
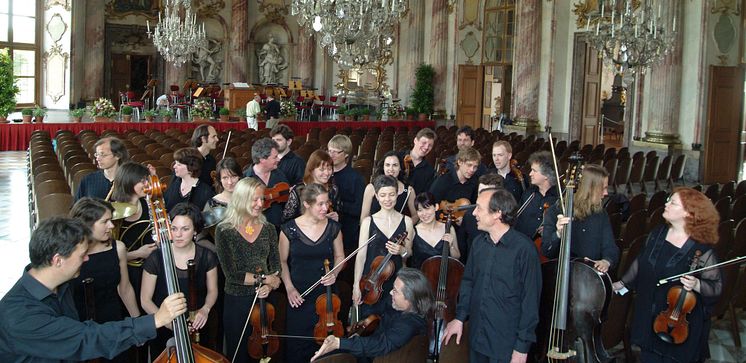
(429, 233)
(305, 242)
(245, 242)
(387, 225)
(186, 224)
(592, 237)
(391, 165)
(318, 170)
(690, 230)
(106, 265)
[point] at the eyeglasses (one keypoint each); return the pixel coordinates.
(101, 155)
(670, 200)
(335, 152)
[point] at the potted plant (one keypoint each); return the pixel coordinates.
(102, 110)
(241, 112)
(126, 113)
(224, 113)
(201, 111)
(149, 115)
(423, 95)
(411, 113)
(77, 114)
(394, 113)
(8, 87)
(364, 114)
(27, 113)
(39, 114)
(166, 114)
(342, 113)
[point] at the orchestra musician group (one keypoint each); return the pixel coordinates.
(314, 228)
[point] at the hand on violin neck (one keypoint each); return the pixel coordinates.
(690, 283)
(171, 307)
(329, 280)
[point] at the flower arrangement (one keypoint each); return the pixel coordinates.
(287, 109)
(102, 107)
(202, 109)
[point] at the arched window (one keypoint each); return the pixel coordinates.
(20, 33)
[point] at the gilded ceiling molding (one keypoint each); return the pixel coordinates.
(208, 8)
(117, 9)
(64, 3)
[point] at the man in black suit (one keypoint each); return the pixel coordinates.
(273, 112)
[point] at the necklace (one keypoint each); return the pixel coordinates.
(249, 229)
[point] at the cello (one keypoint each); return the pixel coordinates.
(444, 273)
(381, 269)
(185, 350)
(575, 297)
(327, 308)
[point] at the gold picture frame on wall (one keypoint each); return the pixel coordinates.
(122, 8)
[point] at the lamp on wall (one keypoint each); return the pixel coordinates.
(176, 38)
(632, 34)
(355, 33)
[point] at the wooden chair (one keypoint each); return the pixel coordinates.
(414, 351)
(55, 204)
(623, 170)
(616, 224)
(651, 172)
(658, 200)
(637, 203)
(713, 192)
(738, 212)
(50, 187)
(615, 326)
(728, 189)
(725, 238)
(635, 227)
(664, 172)
(740, 189)
(656, 218)
(611, 168)
(723, 207)
(635, 176)
(677, 171)
(630, 253)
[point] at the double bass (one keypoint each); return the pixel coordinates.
(186, 351)
(444, 273)
(574, 297)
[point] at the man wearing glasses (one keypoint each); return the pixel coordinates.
(110, 154)
(351, 188)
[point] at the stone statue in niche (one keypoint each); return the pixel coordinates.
(271, 62)
(207, 60)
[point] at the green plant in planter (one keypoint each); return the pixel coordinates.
(241, 112)
(365, 111)
(27, 112)
(127, 110)
(39, 112)
(423, 95)
(166, 112)
(150, 113)
(77, 112)
(224, 111)
(8, 87)
(410, 111)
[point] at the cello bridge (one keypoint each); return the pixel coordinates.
(554, 353)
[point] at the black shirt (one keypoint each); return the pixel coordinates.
(591, 237)
(272, 109)
(529, 221)
(208, 166)
(511, 183)
(350, 188)
(37, 325)
(293, 166)
(448, 187)
(94, 185)
(199, 195)
(421, 176)
(499, 295)
(396, 330)
(274, 212)
(451, 165)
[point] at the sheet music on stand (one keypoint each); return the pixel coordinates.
(239, 85)
(150, 91)
(295, 85)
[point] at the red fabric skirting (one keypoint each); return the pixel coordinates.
(16, 137)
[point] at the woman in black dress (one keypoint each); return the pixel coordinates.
(186, 185)
(391, 165)
(429, 233)
(186, 223)
(228, 173)
(318, 170)
(106, 265)
(691, 226)
(305, 242)
(386, 224)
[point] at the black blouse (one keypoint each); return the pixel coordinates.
(198, 195)
(205, 261)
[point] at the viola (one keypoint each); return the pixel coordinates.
(517, 171)
(363, 327)
(185, 350)
(452, 209)
(444, 273)
(671, 325)
(279, 193)
(261, 344)
(381, 269)
(442, 167)
(408, 166)
(327, 308)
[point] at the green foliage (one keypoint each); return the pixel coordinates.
(39, 112)
(77, 112)
(410, 111)
(241, 112)
(127, 110)
(167, 112)
(8, 87)
(27, 111)
(224, 111)
(202, 109)
(365, 111)
(150, 113)
(423, 95)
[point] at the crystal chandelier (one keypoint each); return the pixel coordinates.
(354, 32)
(175, 38)
(631, 34)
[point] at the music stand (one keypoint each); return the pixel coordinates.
(198, 92)
(152, 83)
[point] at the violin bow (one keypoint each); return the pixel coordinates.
(556, 173)
(225, 150)
(308, 291)
(246, 324)
(703, 269)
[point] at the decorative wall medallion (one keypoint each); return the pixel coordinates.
(56, 27)
(64, 3)
(724, 33)
(470, 46)
(208, 8)
(122, 8)
(55, 62)
(470, 14)
(274, 10)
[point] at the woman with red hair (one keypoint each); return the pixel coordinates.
(691, 227)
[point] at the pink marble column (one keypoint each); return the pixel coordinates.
(439, 51)
(93, 85)
(412, 50)
(527, 46)
(305, 56)
(665, 92)
(239, 43)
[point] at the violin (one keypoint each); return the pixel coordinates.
(442, 167)
(261, 345)
(671, 325)
(537, 239)
(186, 350)
(327, 308)
(362, 328)
(517, 171)
(381, 269)
(452, 210)
(408, 166)
(279, 193)
(444, 273)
